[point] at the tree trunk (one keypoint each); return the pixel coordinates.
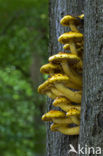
(58, 144)
(91, 131)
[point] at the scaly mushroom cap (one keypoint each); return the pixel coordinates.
(49, 68)
(62, 56)
(44, 87)
(66, 20)
(53, 114)
(73, 112)
(60, 100)
(58, 78)
(70, 36)
(65, 104)
(49, 89)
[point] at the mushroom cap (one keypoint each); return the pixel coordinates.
(47, 68)
(66, 20)
(54, 126)
(70, 36)
(72, 112)
(62, 56)
(59, 78)
(81, 16)
(78, 46)
(53, 114)
(66, 47)
(61, 99)
(44, 87)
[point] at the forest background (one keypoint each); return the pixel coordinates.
(23, 49)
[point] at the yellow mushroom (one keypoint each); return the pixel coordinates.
(70, 21)
(50, 95)
(65, 129)
(60, 81)
(79, 48)
(51, 69)
(71, 38)
(56, 117)
(49, 89)
(67, 60)
(81, 16)
(74, 114)
(54, 126)
(65, 104)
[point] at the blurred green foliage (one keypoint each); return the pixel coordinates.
(23, 49)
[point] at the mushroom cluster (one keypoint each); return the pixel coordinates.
(64, 84)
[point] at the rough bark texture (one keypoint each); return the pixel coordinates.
(58, 144)
(91, 132)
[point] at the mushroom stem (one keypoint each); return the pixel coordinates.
(62, 120)
(73, 47)
(56, 92)
(69, 131)
(75, 120)
(74, 96)
(66, 107)
(74, 51)
(51, 95)
(74, 78)
(73, 27)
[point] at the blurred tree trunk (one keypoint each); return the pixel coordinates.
(91, 132)
(58, 144)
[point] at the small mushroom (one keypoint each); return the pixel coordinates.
(60, 81)
(51, 69)
(74, 114)
(81, 16)
(70, 21)
(56, 117)
(71, 38)
(49, 89)
(67, 130)
(65, 104)
(54, 126)
(67, 60)
(79, 48)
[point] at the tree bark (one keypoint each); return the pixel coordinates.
(91, 131)
(58, 144)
